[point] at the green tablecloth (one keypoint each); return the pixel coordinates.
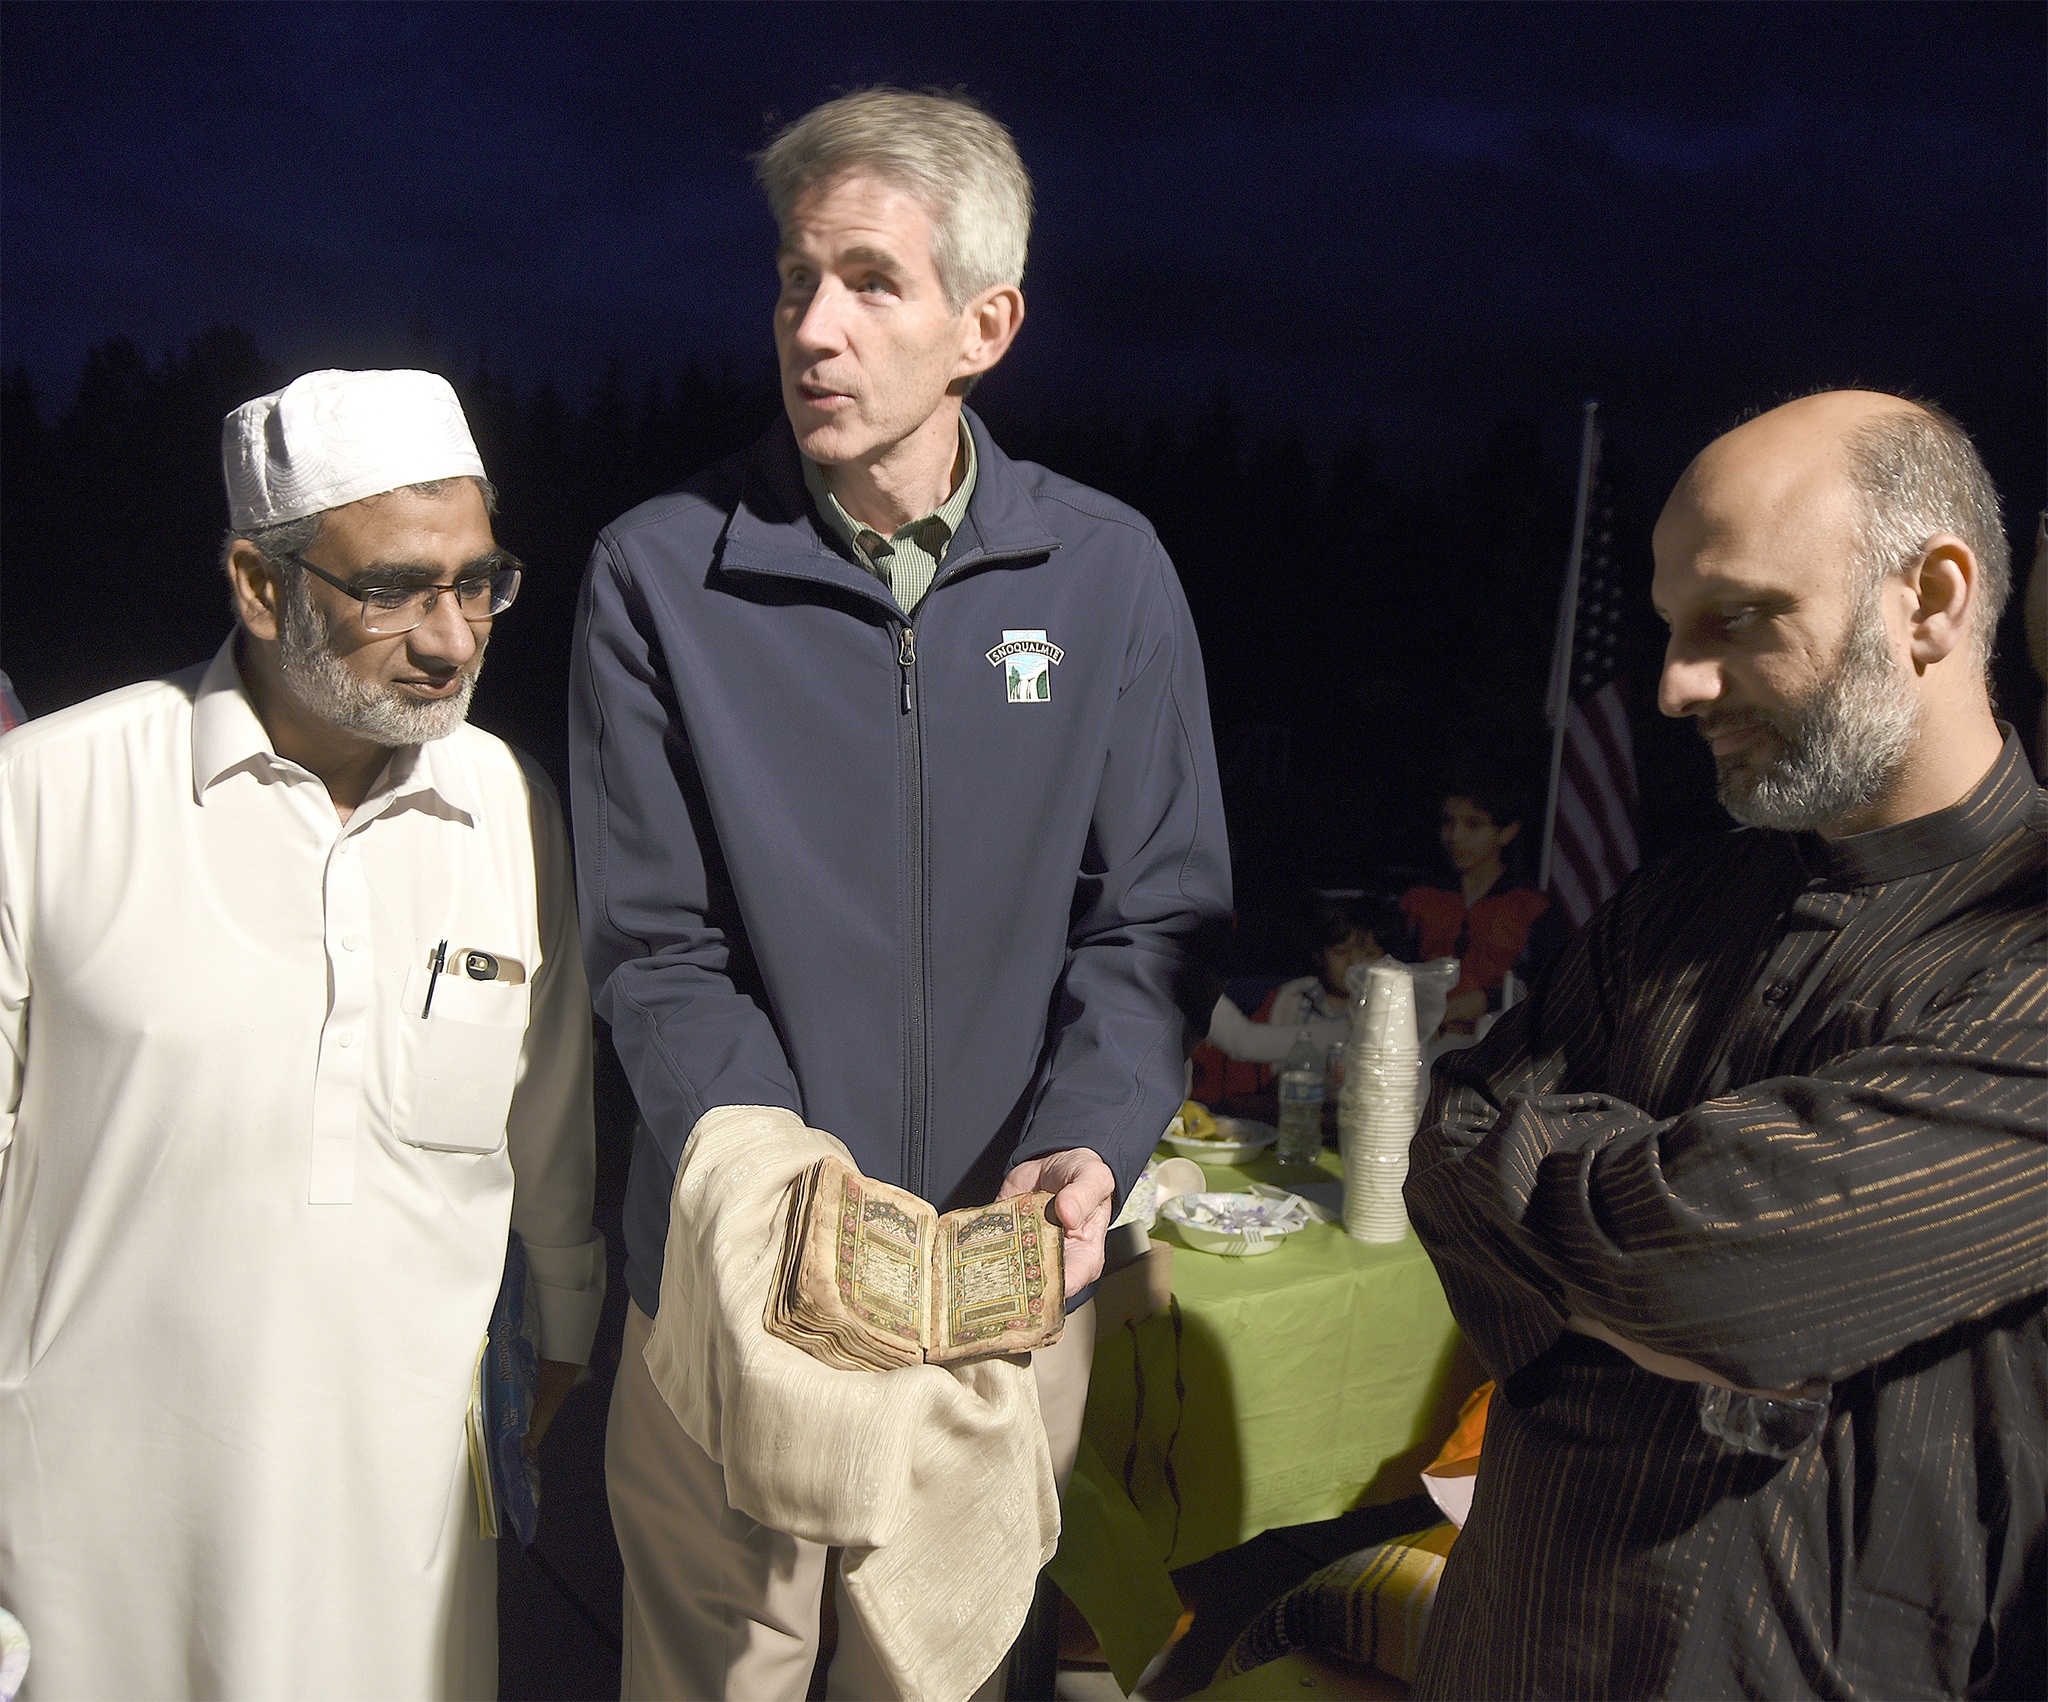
(1316, 1378)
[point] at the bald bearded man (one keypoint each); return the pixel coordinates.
(1747, 1208)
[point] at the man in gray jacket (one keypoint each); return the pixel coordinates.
(896, 808)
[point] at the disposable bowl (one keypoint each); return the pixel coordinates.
(1237, 1139)
(1255, 1223)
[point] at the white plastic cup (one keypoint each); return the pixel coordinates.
(1384, 1124)
(1365, 1069)
(1395, 1113)
(1377, 1108)
(1376, 1083)
(1373, 1209)
(1388, 1018)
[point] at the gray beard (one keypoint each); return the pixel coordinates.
(324, 686)
(1837, 751)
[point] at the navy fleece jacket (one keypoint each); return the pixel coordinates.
(934, 884)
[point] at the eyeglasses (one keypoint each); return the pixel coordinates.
(390, 609)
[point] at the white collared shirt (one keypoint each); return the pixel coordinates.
(250, 1197)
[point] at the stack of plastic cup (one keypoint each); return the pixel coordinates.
(1379, 1105)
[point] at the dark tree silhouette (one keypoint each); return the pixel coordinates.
(1358, 632)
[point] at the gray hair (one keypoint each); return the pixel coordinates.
(1918, 475)
(959, 163)
(294, 537)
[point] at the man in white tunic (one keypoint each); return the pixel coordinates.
(293, 1025)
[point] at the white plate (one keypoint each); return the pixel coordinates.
(13, 1654)
(1237, 1139)
(1262, 1219)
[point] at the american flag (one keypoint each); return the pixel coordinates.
(1591, 846)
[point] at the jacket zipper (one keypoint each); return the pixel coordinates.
(918, 1098)
(917, 1093)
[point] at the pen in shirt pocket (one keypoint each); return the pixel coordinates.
(470, 963)
(434, 976)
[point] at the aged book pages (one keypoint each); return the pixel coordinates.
(997, 1280)
(871, 1277)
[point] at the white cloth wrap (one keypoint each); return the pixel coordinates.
(936, 1482)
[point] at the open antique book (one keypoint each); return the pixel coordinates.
(872, 1278)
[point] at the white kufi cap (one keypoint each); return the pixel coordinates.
(331, 438)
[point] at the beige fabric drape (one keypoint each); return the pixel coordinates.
(936, 1482)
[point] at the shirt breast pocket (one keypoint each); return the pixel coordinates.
(460, 1062)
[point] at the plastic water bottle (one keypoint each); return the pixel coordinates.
(1301, 1105)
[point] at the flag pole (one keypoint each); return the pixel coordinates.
(1557, 708)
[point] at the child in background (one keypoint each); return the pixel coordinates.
(1487, 920)
(1345, 928)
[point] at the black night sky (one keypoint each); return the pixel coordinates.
(1404, 218)
(1379, 230)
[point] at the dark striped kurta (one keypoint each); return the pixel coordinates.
(1782, 1109)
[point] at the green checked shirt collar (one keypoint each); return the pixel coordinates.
(908, 560)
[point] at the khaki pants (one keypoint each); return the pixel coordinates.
(717, 1606)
